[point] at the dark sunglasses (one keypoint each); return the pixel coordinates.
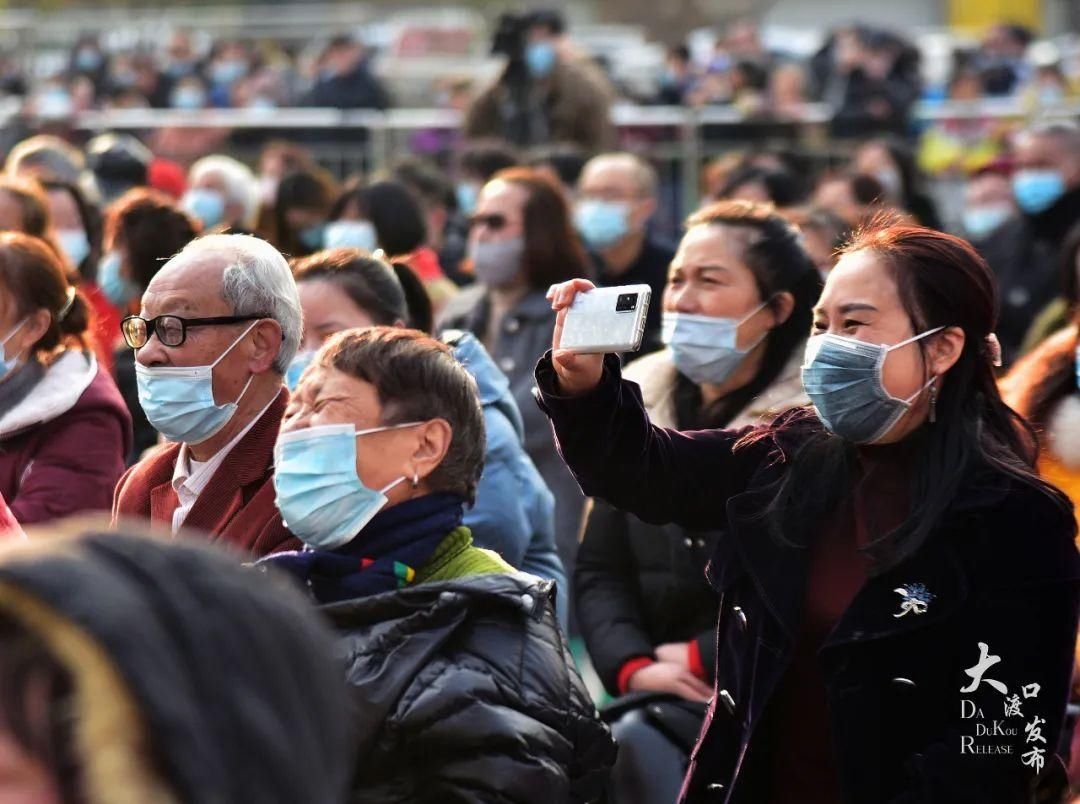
(493, 222)
(172, 329)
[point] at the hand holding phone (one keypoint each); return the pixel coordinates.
(577, 373)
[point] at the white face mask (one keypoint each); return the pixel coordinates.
(704, 347)
(179, 400)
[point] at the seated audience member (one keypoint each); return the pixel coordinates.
(477, 699)
(302, 207)
(64, 429)
(143, 229)
(737, 311)
(217, 328)
(514, 512)
(223, 194)
(387, 215)
(616, 199)
(137, 669)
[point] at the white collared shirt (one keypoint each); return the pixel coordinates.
(191, 477)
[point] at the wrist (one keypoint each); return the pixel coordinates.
(626, 672)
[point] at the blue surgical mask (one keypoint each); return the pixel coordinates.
(206, 205)
(228, 72)
(350, 234)
(540, 59)
(312, 237)
(297, 367)
(75, 245)
(602, 223)
(843, 378)
(321, 498)
(1037, 190)
(467, 197)
(9, 363)
(117, 289)
(704, 347)
(179, 400)
(498, 263)
(188, 98)
(981, 221)
(87, 60)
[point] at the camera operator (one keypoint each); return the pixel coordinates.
(546, 93)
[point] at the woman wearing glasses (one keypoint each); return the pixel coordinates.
(64, 429)
(521, 241)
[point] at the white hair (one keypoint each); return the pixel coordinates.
(241, 187)
(256, 280)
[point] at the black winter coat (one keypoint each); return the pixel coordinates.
(637, 586)
(1025, 254)
(466, 692)
(1001, 566)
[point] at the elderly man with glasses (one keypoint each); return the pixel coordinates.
(218, 325)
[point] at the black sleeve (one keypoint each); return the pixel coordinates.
(658, 475)
(607, 595)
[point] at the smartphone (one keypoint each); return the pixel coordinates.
(606, 320)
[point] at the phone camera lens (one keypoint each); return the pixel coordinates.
(626, 303)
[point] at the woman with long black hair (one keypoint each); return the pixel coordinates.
(898, 587)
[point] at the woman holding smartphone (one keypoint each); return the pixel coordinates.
(736, 312)
(898, 587)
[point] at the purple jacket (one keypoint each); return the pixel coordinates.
(62, 448)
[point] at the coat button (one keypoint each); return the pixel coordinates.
(699, 544)
(507, 364)
(729, 702)
(688, 543)
(904, 682)
(715, 787)
(512, 325)
(740, 615)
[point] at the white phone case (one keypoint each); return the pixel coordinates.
(603, 321)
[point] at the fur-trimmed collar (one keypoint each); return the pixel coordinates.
(655, 374)
(57, 392)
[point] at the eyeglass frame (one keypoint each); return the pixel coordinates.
(151, 326)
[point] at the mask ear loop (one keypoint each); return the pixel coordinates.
(221, 357)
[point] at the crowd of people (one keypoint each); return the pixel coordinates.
(369, 528)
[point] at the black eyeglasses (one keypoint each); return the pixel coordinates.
(172, 329)
(493, 222)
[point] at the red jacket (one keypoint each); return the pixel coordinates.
(62, 448)
(237, 507)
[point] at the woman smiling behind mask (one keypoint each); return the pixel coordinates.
(464, 683)
(872, 574)
(736, 312)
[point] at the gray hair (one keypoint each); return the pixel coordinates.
(643, 173)
(240, 184)
(1066, 133)
(256, 281)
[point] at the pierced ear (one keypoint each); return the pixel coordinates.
(433, 444)
(946, 348)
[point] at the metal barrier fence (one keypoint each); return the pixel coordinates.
(678, 140)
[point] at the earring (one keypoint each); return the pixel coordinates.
(933, 401)
(415, 480)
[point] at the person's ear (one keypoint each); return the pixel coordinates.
(37, 324)
(944, 349)
(643, 210)
(267, 338)
(782, 306)
(433, 442)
